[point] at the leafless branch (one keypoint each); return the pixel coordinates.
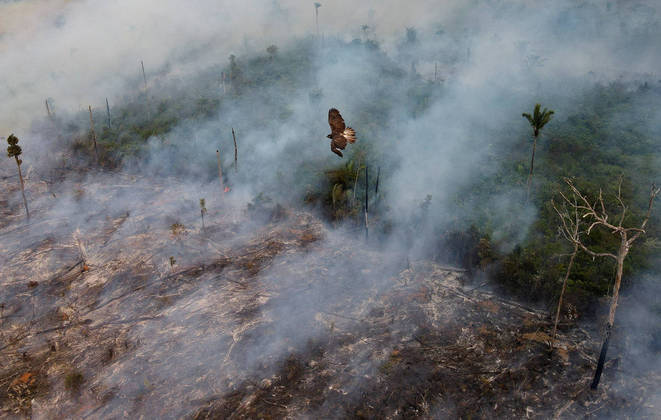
(570, 228)
(596, 254)
(599, 217)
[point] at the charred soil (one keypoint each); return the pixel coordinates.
(284, 319)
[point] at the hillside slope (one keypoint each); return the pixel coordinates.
(281, 318)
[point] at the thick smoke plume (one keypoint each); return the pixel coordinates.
(479, 67)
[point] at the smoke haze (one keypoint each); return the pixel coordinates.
(478, 65)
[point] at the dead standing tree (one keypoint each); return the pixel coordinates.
(96, 152)
(367, 198)
(220, 172)
(598, 216)
(203, 210)
(50, 114)
(316, 16)
(108, 110)
(236, 153)
(570, 230)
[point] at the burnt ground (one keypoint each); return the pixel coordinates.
(286, 318)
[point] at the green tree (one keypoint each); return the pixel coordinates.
(537, 121)
(14, 150)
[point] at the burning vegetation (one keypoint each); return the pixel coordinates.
(286, 319)
(424, 274)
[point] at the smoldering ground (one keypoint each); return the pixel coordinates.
(493, 61)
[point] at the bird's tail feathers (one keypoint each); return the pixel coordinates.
(350, 134)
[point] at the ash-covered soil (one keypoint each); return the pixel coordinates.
(112, 310)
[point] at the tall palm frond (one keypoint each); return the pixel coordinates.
(538, 119)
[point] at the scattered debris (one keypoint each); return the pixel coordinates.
(294, 319)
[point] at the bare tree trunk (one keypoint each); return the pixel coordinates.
(220, 172)
(532, 164)
(223, 77)
(562, 293)
(108, 110)
(236, 153)
(144, 78)
(611, 313)
(597, 212)
(355, 182)
(20, 176)
(602, 358)
(48, 110)
(367, 195)
(624, 250)
(316, 20)
(96, 153)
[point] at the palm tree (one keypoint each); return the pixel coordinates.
(14, 151)
(537, 121)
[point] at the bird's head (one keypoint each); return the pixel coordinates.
(330, 136)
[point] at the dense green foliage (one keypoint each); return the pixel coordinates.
(602, 136)
(602, 139)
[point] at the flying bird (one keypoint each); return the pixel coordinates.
(340, 133)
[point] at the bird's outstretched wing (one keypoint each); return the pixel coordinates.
(335, 121)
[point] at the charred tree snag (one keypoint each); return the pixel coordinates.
(220, 172)
(96, 152)
(598, 217)
(316, 16)
(236, 153)
(144, 76)
(108, 110)
(367, 196)
(50, 114)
